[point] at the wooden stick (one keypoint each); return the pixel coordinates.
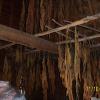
(79, 22)
(83, 26)
(56, 32)
(81, 39)
(69, 29)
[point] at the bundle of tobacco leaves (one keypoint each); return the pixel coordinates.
(38, 73)
(65, 67)
(98, 72)
(85, 59)
(87, 72)
(19, 78)
(42, 14)
(77, 64)
(6, 70)
(19, 70)
(61, 64)
(31, 76)
(30, 17)
(51, 73)
(22, 17)
(68, 68)
(44, 80)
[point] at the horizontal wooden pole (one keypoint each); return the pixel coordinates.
(86, 27)
(60, 33)
(28, 40)
(81, 39)
(73, 24)
(68, 29)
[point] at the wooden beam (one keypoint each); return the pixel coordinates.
(28, 40)
(10, 44)
(81, 39)
(79, 22)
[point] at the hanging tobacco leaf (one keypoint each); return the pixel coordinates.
(38, 73)
(30, 17)
(19, 77)
(61, 64)
(6, 70)
(17, 58)
(51, 73)
(31, 77)
(22, 17)
(19, 70)
(68, 68)
(77, 64)
(65, 67)
(44, 80)
(77, 57)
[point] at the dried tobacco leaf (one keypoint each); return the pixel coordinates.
(44, 80)
(7, 74)
(51, 73)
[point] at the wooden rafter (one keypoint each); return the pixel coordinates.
(28, 40)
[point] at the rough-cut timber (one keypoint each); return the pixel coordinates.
(22, 38)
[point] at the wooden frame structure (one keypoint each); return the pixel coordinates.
(18, 37)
